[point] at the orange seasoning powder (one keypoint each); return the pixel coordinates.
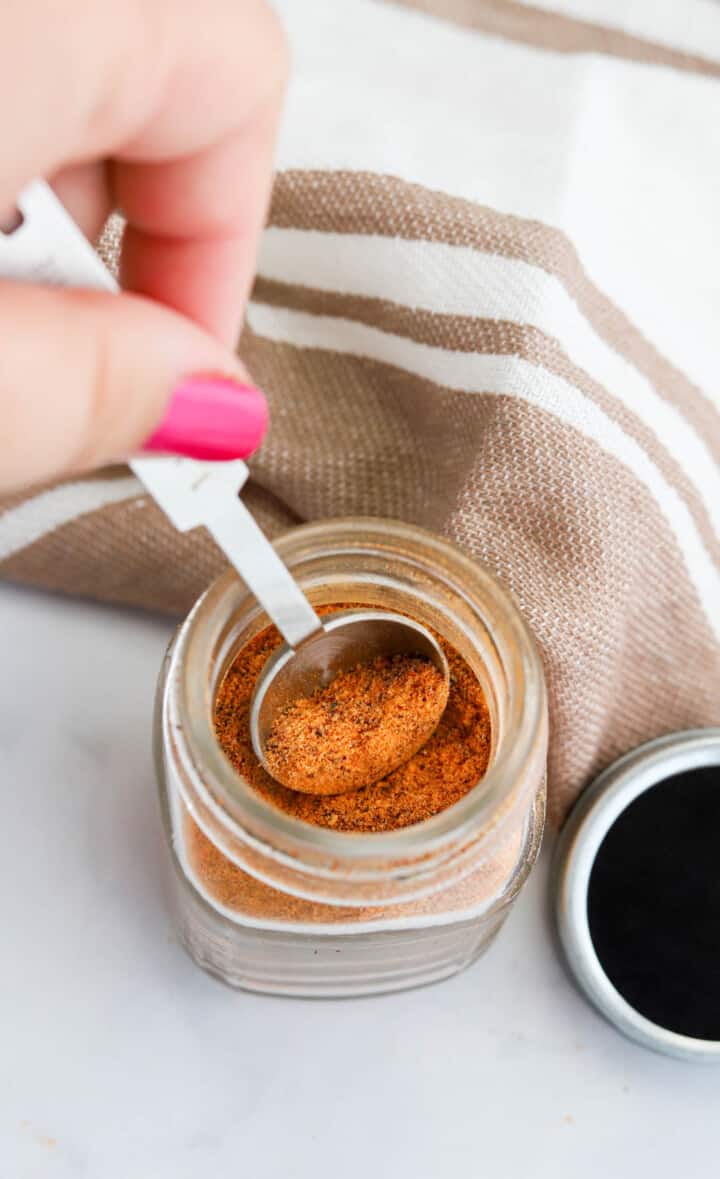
(449, 764)
(366, 722)
(438, 775)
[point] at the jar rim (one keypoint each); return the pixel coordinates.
(229, 795)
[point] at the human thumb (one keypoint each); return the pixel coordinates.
(88, 378)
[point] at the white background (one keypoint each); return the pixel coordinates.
(119, 1059)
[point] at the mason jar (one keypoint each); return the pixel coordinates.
(270, 903)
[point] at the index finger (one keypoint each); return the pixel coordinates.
(185, 100)
(194, 224)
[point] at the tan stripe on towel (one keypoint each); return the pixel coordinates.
(360, 202)
(129, 553)
(466, 334)
(558, 32)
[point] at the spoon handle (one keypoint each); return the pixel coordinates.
(236, 532)
(47, 246)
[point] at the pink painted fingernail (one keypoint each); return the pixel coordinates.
(212, 417)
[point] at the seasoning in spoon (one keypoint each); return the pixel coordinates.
(449, 765)
(366, 723)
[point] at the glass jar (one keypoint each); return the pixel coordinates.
(270, 903)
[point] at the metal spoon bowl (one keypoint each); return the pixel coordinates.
(344, 640)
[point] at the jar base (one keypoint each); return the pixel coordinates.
(346, 966)
(329, 964)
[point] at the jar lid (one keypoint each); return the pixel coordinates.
(636, 890)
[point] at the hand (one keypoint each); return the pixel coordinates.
(168, 110)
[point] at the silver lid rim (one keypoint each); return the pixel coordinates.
(578, 844)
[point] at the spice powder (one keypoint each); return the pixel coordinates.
(357, 729)
(438, 775)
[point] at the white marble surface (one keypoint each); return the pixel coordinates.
(119, 1059)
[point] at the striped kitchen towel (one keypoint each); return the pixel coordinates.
(488, 302)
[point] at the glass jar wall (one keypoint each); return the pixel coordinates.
(270, 903)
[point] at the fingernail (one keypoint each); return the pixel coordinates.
(213, 418)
